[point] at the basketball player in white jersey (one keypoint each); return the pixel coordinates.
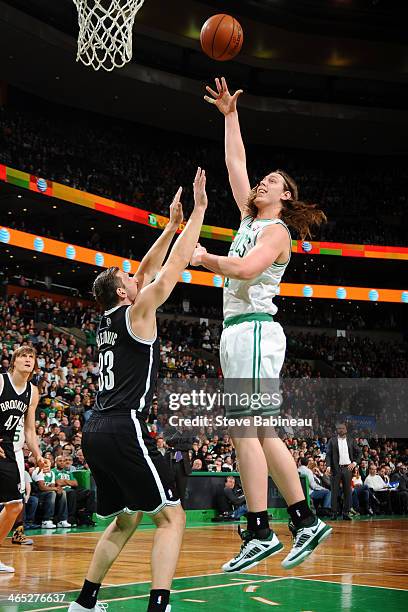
(253, 344)
(18, 399)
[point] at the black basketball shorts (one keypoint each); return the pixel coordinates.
(9, 477)
(131, 475)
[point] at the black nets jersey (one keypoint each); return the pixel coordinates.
(13, 406)
(128, 365)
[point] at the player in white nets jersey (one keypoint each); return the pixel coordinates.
(253, 344)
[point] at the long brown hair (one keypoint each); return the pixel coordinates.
(295, 213)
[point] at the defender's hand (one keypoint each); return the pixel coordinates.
(200, 195)
(176, 211)
(2, 453)
(222, 99)
(196, 259)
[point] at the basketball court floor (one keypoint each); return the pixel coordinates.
(363, 567)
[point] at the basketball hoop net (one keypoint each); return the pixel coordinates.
(105, 32)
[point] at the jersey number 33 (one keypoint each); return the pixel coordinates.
(106, 374)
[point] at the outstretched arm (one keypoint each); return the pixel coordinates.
(143, 311)
(271, 243)
(153, 260)
(235, 157)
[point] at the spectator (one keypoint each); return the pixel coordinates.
(31, 504)
(66, 428)
(208, 461)
(227, 466)
(401, 477)
(316, 491)
(321, 473)
(236, 502)
(197, 465)
(52, 497)
(80, 462)
(69, 464)
(363, 469)
(360, 494)
(381, 491)
(197, 452)
(80, 501)
(161, 447)
(77, 407)
(217, 465)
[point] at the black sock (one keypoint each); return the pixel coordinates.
(258, 523)
(301, 514)
(159, 600)
(89, 594)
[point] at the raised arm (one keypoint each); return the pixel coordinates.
(143, 311)
(235, 157)
(153, 260)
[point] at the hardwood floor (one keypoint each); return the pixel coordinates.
(371, 553)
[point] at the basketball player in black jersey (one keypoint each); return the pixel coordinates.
(131, 475)
(18, 400)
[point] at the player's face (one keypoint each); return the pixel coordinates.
(130, 284)
(24, 364)
(271, 190)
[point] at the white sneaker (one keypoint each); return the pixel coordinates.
(64, 524)
(6, 569)
(48, 525)
(305, 541)
(99, 607)
(252, 552)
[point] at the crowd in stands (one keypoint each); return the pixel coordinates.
(302, 313)
(348, 356)
(379, 482)
(67, 377)
(352, 356)
(384, 464)
(142, 166)
(53, 493)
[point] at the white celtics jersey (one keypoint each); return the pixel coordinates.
(256, 295)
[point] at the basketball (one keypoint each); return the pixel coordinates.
(221, 37)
